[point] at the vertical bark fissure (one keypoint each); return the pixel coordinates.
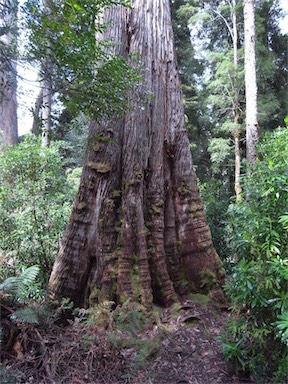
(145, 293)
(171, 239)
(81, 242)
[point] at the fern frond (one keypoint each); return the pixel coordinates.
(10, 285)
(15, 286)
(27, 277)
(25, 315)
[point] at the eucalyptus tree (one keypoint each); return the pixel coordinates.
(235, 103)
(271, 66)
(224, 76)
(212, 26)
(46, 82)
(138, 228)
(226, 85)
(250, 81)
(8, 75)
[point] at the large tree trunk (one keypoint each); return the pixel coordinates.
(137, 227)
(250, 81)
(8, 76)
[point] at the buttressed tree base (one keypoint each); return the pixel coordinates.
(138, 228)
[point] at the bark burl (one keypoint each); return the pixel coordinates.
(138, 228)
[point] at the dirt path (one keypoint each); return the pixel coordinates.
(191, 353)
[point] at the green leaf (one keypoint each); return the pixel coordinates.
(16, 285)
(25, 315)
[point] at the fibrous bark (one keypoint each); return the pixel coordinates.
(138, 228)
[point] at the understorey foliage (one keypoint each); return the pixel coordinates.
(15, 288)
(216, 196)
(256, 338)
(35, 201)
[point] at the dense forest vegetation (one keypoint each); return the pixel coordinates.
(107, 170)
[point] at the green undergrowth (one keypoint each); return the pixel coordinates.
(36, 195)
(256, 338)
(126, 327)
(199, 298)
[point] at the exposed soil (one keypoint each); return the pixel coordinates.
(191, 353)
(179, 347)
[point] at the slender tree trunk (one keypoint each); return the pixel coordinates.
(250, 81)
(237, 183)
(8, 77)
(47, 85)
(137, 228)
(36, 126)
(235, 109)
(46, 106)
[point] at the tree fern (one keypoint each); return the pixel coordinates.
(15, 286)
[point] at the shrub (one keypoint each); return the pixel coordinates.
(35, 203)
(256, 338)
(216, 197)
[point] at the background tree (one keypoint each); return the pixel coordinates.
(62, 42)
(138, 228)
(224, 86)
(235, 103)
(190, 69)
(212, 44)
(214, 29)
(46, 82)
(271, 65)
(8, 76)
(250, 81)
(212, 115)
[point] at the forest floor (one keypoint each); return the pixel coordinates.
(180, 346)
